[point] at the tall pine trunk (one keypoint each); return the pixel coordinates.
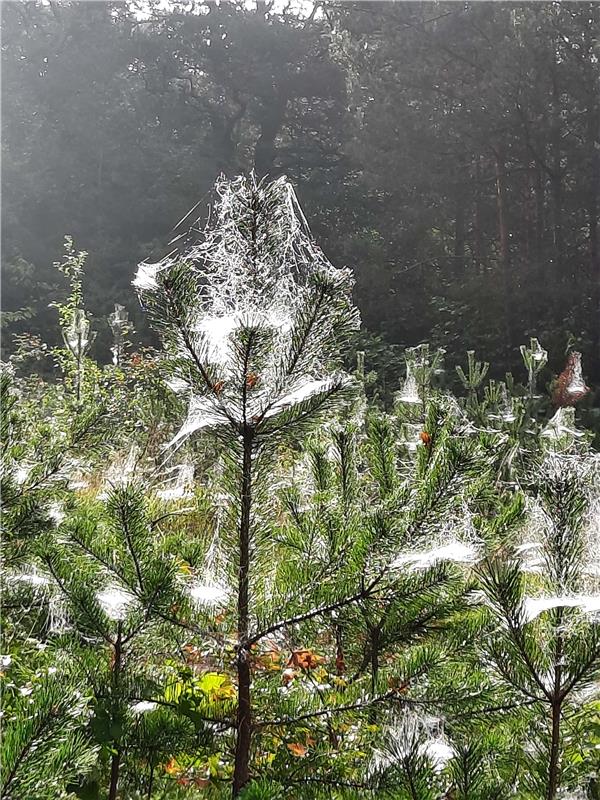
(592, 213)
(504, 246)
(553, 770)
(554, 761)
(540, 220)
(115, 764)
(459, 234)
(556, 180)
(271, 122)
(244, 712)
(478, 218)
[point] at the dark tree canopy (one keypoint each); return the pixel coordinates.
(447, 152)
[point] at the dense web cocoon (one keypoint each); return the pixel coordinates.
(534, 606)
(39, 592)
(541, 552)
(455, 542)
(256, 251)
(253, 305)
(115, 602)
(412, 733)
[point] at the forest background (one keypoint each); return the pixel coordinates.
(447, 152)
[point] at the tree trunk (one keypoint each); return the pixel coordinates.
(554, 761)
(459, 233)
(529, 217)
(271, 122)
(244, 712)
(504, 246)
(374, 658)
(374, 635)
(115, 764)
(556, 180)
(594, 144)
(477, 218)
(557, 230)
(553, 768)
(540, 221)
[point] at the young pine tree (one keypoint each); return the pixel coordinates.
(254, 319)
(543, 598)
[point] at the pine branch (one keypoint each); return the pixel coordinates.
(35, 737)
(304, 337)
(191, 350)
(154, 522)
(365, 592)
(306, 410)
(124, 522)
(79, 436)
(333, 782)
(326, 712)
(226, 724)
(594, 659)
(94, 554)
(81, 606)
(495, 709)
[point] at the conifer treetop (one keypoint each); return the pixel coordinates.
(252, 313)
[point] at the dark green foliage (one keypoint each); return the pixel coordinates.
(44, 744)
(446, 152)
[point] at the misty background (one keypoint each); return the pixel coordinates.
(448, 153)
